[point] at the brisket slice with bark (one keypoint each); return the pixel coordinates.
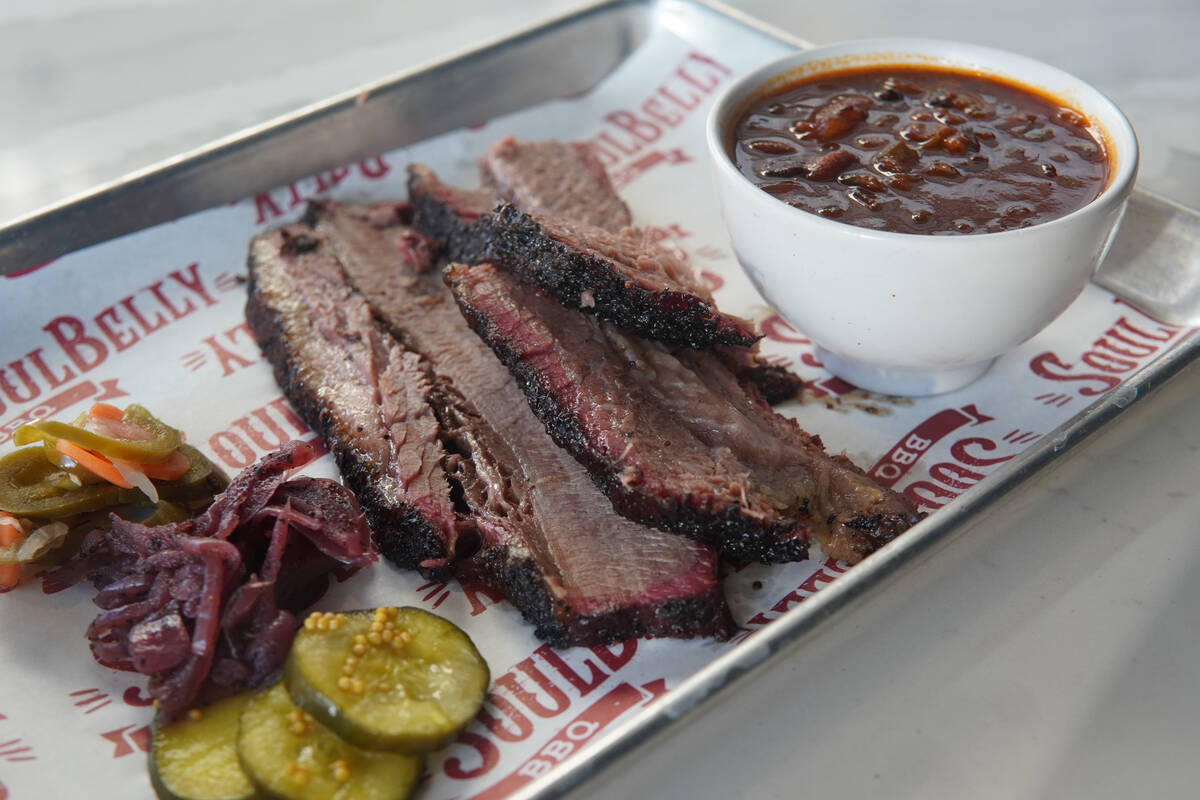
(556, 179)
(671, 437)
(361, 390)
(455, 473)
(621, 275)
(448, 214)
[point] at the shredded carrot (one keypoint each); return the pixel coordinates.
(174, 466)
(94, 462)
(105, 411)
(11, 533)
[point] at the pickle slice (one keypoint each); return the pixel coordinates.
(196, 757)
(289, 755)
(398, 679)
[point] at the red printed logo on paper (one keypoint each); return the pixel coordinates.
(480, 597)
(571, 737)
(627, 132)
(270, 206)
(972, 458)
(906, 452)
(777, 329)
(29, 271)
(436, 593)
(644, 164)
(826, 574)
(1117, 352)
(90, 700)
(128, 740)
(80, 345)
(15, 750)
(231, 350)
(98, 393)
(505, 715)
(264, 430)
(134, 696)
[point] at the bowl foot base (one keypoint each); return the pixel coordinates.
(908, 381)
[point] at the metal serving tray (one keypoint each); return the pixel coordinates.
(1153, 265)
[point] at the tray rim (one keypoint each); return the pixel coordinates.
(14, 232)
(793, 627)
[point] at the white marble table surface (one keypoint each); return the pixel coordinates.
(1052, 651)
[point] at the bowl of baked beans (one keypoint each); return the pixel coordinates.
(918, 207)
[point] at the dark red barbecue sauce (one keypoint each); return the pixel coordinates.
(920, 150)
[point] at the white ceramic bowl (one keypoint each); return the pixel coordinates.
(904, 313)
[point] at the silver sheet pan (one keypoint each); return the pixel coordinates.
(1155, 264)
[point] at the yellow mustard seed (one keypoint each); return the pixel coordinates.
(387, 635)
(374, 638)
(195, 714)
(376, 626)
(384, 687)
(360, 639)
(340, 770)
(357, 686)
(359, 649)
(392, 611)
(344, 682)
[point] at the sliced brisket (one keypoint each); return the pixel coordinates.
(455, 472)
(555, 179)
(447, 214)
(672, 438)
(357, 387)
(623, 277)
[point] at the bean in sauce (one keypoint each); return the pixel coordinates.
(921, 150)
